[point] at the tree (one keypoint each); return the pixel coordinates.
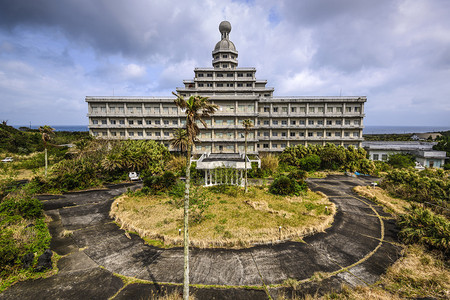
(46, 132)
(196, 108)
(179, 139)
(247, 125)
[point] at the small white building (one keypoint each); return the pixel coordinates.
(224, 168)
(422, 151)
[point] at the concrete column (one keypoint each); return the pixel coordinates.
(206, 177)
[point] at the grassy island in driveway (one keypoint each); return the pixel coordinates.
(224, 217)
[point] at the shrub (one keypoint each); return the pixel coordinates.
(160, 184)
(424, 227)
(400, 160)
(176, 164)
(269, 163)
(310, 162)
(284, 185)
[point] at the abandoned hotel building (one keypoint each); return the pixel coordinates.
(279, 122)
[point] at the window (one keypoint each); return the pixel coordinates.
(148, 122)
(174, 110)
(219, 122)
(274, 122)
(274, 145)
(319, 133)
(310, 134)
(283, 146)
(293, 122)
(156, 110)
(166, 122)
(293, 109)
(266, 109)
(230, 84)
(274, 133)
(131, 133)
(310, 122)
(266, 122)
(95, 122)
(301, 134)
(283, 134)
(312, 109)
(225, 66)
(284, 109)
(356, 109)
(249, 84)
(376, 157)
(209, 75)
(166, 110)
(338, 122)
(225, 56)
(166, 133)
(122, 122)
(198, 148)
(355, 134)
(292, 134)
(249, 75)
(266, 133)
(329, 109)
(157, 122)
(140, 133)
(301, 122)
(200, 74)
(113, 122)
(320, 122)
(339, 109)
(283, 122)
(384, 156)
(347, 122)
(209, 84)
(265, 146)
(200, 85)
(149, 133)
(219, 85)
(229, 74)
(275, 109)
(329, 122)
(356, 122)
(174, 122)
(230, 122)
(240, 75)
(346, 134)
(122, 133)
(130, 122)
(320, 109)
(348, 109)
(240, 85)
(329, 134)
(139, 122)
(219, 75)
(337, 134)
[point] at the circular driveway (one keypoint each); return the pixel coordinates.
(355, 250)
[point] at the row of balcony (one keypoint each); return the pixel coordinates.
(235, 127)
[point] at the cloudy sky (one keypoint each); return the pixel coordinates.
(53, 53)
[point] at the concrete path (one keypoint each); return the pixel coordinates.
(357, 249)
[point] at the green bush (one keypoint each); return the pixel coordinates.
(284, 185)
(400, 160)
(25, 207)
(424, 227)
(160, 184)
(310, 162)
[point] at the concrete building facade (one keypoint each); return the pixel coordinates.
(279, 122)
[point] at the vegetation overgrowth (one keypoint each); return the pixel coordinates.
(23, 231)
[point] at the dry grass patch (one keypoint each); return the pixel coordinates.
(395, 205)
(238, 220)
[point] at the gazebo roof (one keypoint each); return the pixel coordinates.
(210, 161)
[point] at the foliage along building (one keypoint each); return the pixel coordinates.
(279, 122)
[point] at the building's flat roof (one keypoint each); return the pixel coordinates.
(399, 146)
(224, 157)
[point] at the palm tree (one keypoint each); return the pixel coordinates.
(247, 125)
(179, 139)
(46, 132)
(196, 108)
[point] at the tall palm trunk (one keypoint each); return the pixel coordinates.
(46, 160)
(186, 223)
(245, 162)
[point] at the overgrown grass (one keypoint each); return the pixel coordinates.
(233, 219)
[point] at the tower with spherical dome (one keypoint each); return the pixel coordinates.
(224, 53)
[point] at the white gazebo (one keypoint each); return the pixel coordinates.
(224, 168)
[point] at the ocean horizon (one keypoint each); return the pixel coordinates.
(384, 129)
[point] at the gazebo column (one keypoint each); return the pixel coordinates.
(210, 177)
(215, 176)
(206, 177)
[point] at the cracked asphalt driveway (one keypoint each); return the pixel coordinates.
(355, 250)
